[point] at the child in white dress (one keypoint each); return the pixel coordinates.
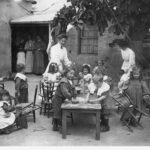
(52, 76)
(86, 78)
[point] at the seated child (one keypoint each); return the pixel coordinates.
(21, 85)
(53, 75)
(65, 90)
(124, 81)
(100, 69)
(7, 117)
(86, 77)
(103, 88)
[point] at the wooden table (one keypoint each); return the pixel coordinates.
(80, 108)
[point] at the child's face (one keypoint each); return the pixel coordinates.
(99, 63)
(70, 74)
(5, 98)
(85, 71)
(136, 75)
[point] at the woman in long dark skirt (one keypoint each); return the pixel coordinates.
(38, 63)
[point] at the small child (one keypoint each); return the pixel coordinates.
(53, 75)
(65, 90)
(86, 77)
(103, 89)
(124, 81)
(7, 118)
(100, 69)
(21, 85)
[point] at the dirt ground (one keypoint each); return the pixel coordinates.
(81, 132)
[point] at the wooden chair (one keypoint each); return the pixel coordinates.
(130, 112)
(30, 108)
(47, 92)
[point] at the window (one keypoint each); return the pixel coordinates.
(88, 40)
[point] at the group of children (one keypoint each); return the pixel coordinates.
(95, 84)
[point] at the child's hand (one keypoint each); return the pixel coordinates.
(80, 74)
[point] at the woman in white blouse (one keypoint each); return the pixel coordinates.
(128, 55)
(58, 54)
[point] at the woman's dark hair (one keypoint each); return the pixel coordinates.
(86, 67)
(61, 36)
(20, 67)
(121, 42)
(52, 68)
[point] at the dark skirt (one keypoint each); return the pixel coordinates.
(38, 63)
(23, 98)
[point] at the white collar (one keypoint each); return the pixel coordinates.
(59, 45)
(21, 76)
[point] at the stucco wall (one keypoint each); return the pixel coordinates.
(8, 10)
(104, 51)
(73, 50)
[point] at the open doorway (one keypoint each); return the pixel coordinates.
(20, 33)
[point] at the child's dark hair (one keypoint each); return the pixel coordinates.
(6, 94)
(86, 66)
(20, 67)
(66, 72)
(52, 68)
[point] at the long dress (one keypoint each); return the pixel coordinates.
(21, 57)
(38, 63)
(136, 90)
(29, 46)
(6, 119)
(21, 54)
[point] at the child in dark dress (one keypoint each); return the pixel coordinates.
(21, 85)
(65, 91)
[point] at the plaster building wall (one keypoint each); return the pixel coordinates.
(104, 51)
(9, 9)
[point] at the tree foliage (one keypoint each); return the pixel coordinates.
(126, 15)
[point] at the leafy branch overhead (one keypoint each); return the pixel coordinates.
(125, 15)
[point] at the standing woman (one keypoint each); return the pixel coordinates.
(21, 52)
(128, 55)
(29, 47)
(38, 63)
(58, 54)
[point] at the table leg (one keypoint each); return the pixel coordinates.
(98, 125)
(64, 124)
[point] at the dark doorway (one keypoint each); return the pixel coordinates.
(21, 31)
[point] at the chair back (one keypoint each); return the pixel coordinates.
(48, 90)
(35, 94)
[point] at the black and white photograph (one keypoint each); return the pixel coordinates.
(74, 73)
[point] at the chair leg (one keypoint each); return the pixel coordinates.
(34, 117)
(48, 111)
(45, 107)
(41, 109)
